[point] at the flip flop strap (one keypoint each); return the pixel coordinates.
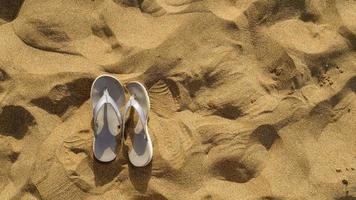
(141, 114)
(106, 99)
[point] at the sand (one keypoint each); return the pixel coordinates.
(251, 99)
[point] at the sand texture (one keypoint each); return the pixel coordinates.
(250, 99)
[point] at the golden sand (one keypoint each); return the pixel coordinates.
(250, 99)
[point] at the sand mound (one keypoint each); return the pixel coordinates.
(250, 99)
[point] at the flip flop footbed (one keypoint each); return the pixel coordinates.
(107, 96)
(142, 150)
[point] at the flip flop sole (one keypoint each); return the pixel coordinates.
(104, 144)
(142, 152)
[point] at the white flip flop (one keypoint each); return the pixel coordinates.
(108, 96)
(142, 151)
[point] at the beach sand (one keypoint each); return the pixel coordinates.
(250, 99)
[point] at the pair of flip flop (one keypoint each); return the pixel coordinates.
(108, 99)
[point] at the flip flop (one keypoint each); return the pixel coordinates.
(108, 96)
(142, 151)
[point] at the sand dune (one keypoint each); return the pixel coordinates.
(251, 99)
